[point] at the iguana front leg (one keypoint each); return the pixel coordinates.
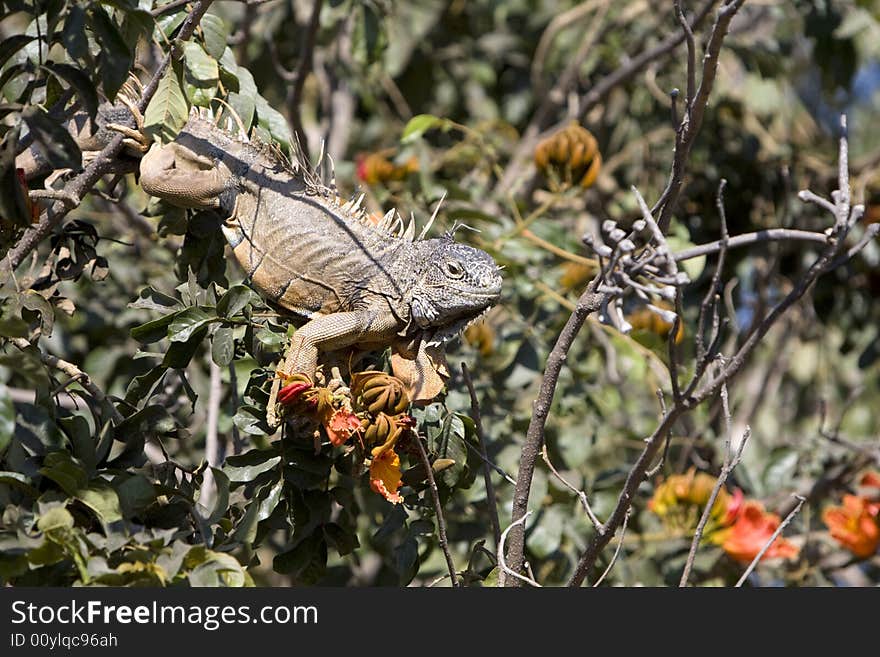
(328, 333)
(175, 174)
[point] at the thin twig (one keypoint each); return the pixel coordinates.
(212, 443)
(767, 235)
(581, 495)
(772, 539)
(693, 116)
(491, 500)
(438, 510)
(731, 460)
(502, 564)
(616, 551)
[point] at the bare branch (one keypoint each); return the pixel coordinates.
(693, 117)
(767, 235)
(502, 564)
(597, 93)
(588, 303)
(582, 496)
(491, 500)
(438, 510)
(616, 551)
(79, 186)
(731, 460)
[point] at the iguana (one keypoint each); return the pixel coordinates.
(358, 279)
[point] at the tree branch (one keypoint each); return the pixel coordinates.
(102, 164)
(491, 500)
(588, 303)
(438, 510)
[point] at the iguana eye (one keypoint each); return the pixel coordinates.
(454, 269)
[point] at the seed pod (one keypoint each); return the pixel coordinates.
(380, 393)
(570, 155)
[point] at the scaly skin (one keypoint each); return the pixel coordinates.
(358, 280)
(360, 284)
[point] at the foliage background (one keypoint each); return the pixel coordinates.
(142, 298)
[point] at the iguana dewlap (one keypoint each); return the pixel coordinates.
(359, 283)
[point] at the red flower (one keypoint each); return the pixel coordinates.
(854, 525)
(870, 480)
(749, 534)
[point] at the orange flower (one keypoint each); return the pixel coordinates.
(854, 525)
(373, 168)
(332, 411)
(385, 475)
(750, 533)
(341, 425)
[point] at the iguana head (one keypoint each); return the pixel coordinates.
(455, 284)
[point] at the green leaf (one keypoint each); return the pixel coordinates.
(450, 444)
(7, 419)
(11, 45)
(152, 331)
(199, 64)
(235, 298)
(221, 497)
(406, 556)
(19, 481)
(268, 504)
(270, 338)
(216, 32)
(222, 346)
(251, 420)
(74, 34)
(116, 58)
(154, 300)
(135, 494)
(55, 518)
(61, 468)
(344, 541)
(101, 499)
(246, 467)
(244, 100)
(167, 112)
(419, 125)
(187, 322)
(77, 430)
(179, 354)
(153, 417)
(273, 122)
(77, 79)
(219, 569)
(52, 140)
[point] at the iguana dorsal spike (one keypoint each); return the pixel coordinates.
(331, 177)
(387, 219)
(356, 206)
(410, 231)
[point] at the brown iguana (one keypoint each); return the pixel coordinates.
(360, 281)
